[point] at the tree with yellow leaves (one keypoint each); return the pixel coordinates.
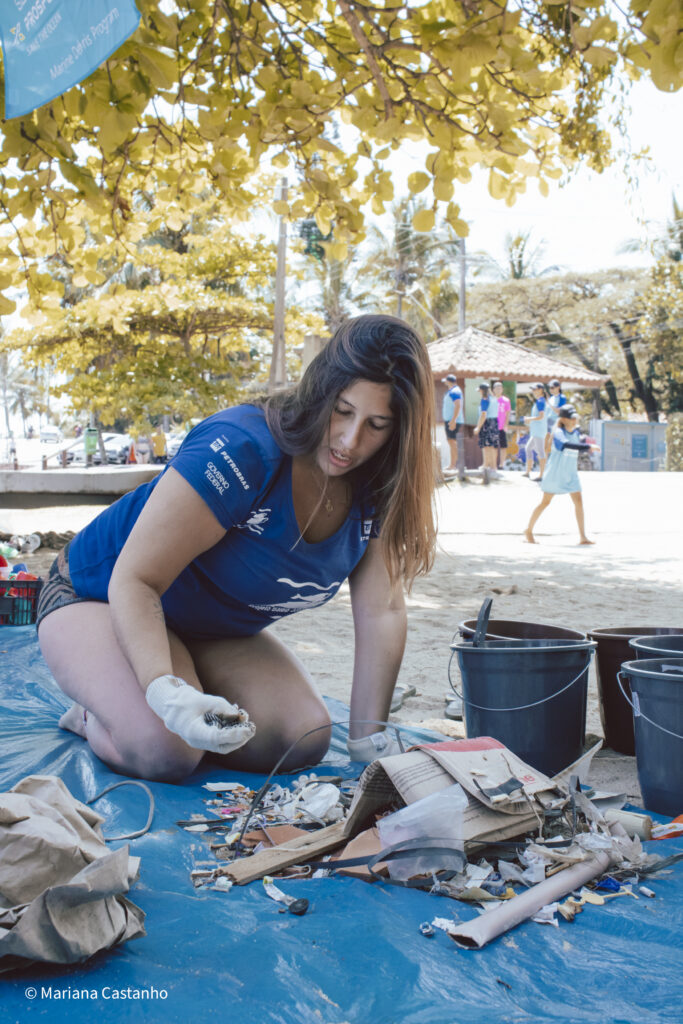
(170, 319)
(212, 88)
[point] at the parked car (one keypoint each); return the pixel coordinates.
(115, 445)
(174, 442)
(51, 434)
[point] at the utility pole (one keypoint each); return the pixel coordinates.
(462, 259)
(596, 391)
(278, 372)
(462, 321)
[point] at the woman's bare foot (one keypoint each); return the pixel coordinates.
(73, 720)
(529, 537)
(585, 540)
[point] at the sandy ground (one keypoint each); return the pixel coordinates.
(632, 575)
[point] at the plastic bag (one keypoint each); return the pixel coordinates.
(438, 816)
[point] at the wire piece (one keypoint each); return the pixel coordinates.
(150, 816)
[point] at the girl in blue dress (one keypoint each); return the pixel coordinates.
(561, 474)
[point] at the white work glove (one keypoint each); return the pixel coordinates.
(201, 719)
(378, 744)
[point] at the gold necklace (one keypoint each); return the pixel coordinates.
(329, 507)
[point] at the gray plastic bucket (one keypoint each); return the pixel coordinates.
(613, 650)
(529, 695)
(510, 629)
(657, 703)
(657, 646)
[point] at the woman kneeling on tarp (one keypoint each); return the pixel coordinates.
(154, 617)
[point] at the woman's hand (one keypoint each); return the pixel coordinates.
(203, 720)
(476, 431)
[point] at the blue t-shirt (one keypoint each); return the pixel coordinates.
(555, 402)
(538, 428)
(490, 407)
(261, 570)
(452, 396)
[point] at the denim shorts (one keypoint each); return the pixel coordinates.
(58, 590)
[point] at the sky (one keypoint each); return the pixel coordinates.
(585, 222)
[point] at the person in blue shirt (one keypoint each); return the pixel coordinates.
(556, 400)
(487, 432)
(155, 618)
(451, 412)
(561, 475)
(537, 423)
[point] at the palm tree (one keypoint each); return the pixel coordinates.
(20, 391)
(522, 258)
(668, 243)
(415, 268)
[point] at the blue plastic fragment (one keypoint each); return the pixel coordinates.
(608, 884)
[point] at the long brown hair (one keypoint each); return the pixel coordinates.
(397, 484)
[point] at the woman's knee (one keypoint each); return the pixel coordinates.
(309, 740)
(160, 756)
(163, 765)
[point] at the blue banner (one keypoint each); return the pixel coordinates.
(48, 46)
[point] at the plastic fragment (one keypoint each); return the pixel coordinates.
(223, 884)
(608, 884)
(294, 905)
(444, 925)
(546, 915)
(427, 930)
(646, 892)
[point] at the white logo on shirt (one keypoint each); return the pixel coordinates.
(217, 444)
(216, 478)
(256, 521)
(299, 600)
(236, 470)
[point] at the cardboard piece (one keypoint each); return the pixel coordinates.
(366, 844)
(506, 797)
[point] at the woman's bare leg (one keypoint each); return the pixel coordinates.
(264, 677)
(578, 509)
(83, 654)
(545, 501)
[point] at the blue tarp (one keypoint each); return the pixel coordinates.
(357, 956)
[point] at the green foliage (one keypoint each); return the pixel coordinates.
(414, 270)
(171, 319)
(662, 331)
(210, 90)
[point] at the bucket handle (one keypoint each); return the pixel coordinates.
(639, 714)
(521, 707)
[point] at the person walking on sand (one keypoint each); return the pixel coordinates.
(451, 412)
(504, 407)
(537, 424)
(561, 475)
(487, 431)
(155, 617)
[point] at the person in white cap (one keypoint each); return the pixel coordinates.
(537, 423)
